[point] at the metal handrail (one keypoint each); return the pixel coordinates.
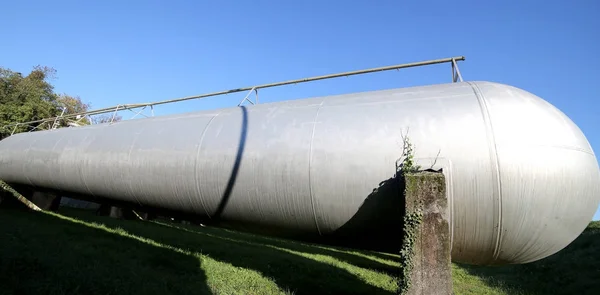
(455, 76)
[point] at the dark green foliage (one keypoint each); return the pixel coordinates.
(73, 105)
(26, 98)
(31, 98)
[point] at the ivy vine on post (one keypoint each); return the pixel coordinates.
(412, 219)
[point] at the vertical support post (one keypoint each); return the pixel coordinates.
(112, 119)
(55, 123)
(14, 129)
(456, 76)
(46, 201)
(426, 244)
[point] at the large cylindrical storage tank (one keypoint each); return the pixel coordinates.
(523, 181)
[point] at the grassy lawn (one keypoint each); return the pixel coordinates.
(76, 252)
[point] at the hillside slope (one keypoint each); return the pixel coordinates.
(76, 252)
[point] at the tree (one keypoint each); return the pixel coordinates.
(106, 118)
(73, 105)
(26, 98)
(30, 98)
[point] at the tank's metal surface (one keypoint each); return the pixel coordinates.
(523, 180)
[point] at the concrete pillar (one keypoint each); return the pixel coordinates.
(426, 244)
(46, 201)
(116, 212)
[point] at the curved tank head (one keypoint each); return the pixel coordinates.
(548, 180)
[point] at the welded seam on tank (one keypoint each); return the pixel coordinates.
(198, 191)
(495, 162)
(450, 194)
(310, 154)
(563, 147)
(27, 157)
(335, 104)
(82, 175)
(58, 160)
(135, 138)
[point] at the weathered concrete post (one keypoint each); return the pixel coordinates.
(426, 244)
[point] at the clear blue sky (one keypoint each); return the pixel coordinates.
(114, 52)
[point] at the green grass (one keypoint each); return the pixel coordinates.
(76, 252)
(574, 270)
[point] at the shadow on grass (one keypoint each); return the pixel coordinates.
(573, 270)
(285, 262)
(45, 254)
(374, 231)
(362, 259)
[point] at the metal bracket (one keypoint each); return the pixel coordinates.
(140, 112)
(56, 120)
(15, 129)
(247, 99)
(456, 76)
